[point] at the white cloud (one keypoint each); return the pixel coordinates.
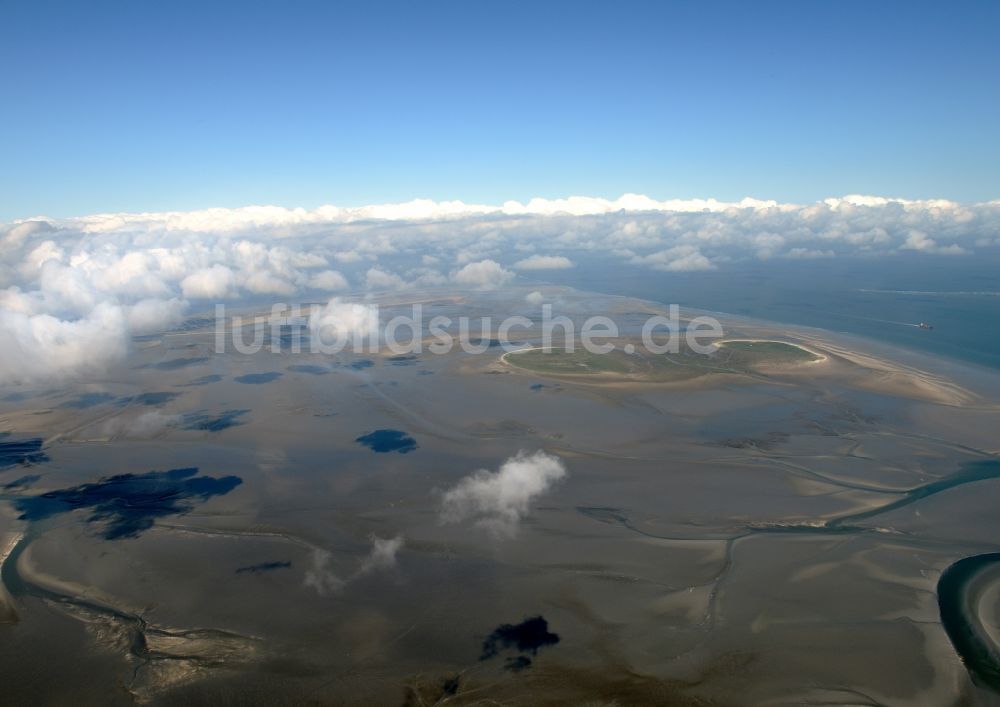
(43, 347)
(216, 282)
(808, 253)
(152, 315)
(144, 426)
(544, 262)
(376, 279)
(67, 289)
(250, 218)
(341, 321)
(920, 241)
(328, 281)
(534, 298)
(45, 251)
(320, 575)
(348, 256)
(19, 232)
(680, 258)
(426, 277)
(383, 554)
(499, 500)
(582, 205)
(485, 274)
(264, 282)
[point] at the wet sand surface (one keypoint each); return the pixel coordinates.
(204, 529)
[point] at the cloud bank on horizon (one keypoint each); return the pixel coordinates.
(74, 291)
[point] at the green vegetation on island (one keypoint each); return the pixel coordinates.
(751, 353)
(615, 365)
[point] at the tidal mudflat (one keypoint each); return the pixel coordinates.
(773, 523)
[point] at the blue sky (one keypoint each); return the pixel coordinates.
(154, 106)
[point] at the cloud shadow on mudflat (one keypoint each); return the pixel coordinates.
(525, 638)
(384, 441)
(127, 505)
(258, 378)
(21, 451)
(214, 423)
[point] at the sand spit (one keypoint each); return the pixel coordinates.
(903, 381)
(8, 613)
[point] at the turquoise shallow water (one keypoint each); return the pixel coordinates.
(882, 299)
